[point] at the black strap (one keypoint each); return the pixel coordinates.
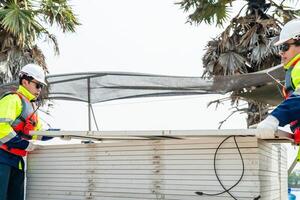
(25, 136)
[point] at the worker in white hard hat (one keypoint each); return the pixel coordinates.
(288, 112)
(18, 116)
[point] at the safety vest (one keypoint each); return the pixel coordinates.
(23, 124)
(289, 85)
(289, 89)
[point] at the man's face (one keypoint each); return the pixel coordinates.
(289, 51)
(33, 86)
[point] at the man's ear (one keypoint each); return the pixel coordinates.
(24, 82)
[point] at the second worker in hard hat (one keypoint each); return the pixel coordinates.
(288, 112)
(18, 116)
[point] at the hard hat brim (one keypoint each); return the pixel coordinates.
(279, 42)
(41, 81)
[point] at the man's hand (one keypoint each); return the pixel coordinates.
(254, 126)
(270, 123)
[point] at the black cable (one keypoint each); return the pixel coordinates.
(215, 170)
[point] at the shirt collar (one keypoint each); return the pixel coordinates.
(25, 93)
(292, 61)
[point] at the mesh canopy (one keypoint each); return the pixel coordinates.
(96, 87)
(102, 86)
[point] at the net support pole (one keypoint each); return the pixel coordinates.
(89, 103)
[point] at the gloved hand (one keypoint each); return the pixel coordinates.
(270, 124)
(46, 138)
(254, 126)
(65, 137)
(32, 147)
(41, 137)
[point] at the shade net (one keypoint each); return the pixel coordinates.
(96, 87)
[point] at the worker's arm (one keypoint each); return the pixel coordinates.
(10, 109)
(288, 111)
(40, 137)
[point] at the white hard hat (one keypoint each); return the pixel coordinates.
(35, 71)
(290, 30)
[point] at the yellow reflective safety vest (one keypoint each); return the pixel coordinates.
(292, 76)
(18, 117)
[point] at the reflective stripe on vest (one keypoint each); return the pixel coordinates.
(289, 86)
(10, 136)
(6, 120)
(23, 124)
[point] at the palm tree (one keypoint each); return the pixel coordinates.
(246, 44)
(22, 24)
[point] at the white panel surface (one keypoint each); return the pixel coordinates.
(172, 169)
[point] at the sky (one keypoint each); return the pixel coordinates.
(136, 36)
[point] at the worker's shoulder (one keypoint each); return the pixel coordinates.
(297, 65)
(10, 96)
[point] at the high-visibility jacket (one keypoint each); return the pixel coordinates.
(292, 76)
(289, 110)
(17, 117)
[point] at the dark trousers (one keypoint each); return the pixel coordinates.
(11, 183)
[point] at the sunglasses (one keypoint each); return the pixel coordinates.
(285, 46)
(38, 85)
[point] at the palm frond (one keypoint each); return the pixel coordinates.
(250, 38)
(283, 12)
(232, 63)
(59, 12)
(258, 54)
(247, 43)
(20, 23)
(38, 57)
(207, 11)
